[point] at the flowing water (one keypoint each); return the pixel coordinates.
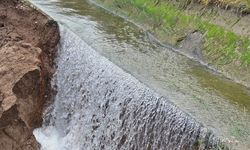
(102, 106)
(99, 106)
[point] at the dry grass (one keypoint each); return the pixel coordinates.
(236, 3)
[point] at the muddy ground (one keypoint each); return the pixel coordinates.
(28, 44)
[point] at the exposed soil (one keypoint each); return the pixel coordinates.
(28, 44)
(192, 45)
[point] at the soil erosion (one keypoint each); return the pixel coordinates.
(28, 44)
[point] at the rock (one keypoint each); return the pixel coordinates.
(27, 50)
(192, 45)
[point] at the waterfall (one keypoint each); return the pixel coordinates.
(100, 106)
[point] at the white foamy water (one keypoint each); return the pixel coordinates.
(99, 106)
(49, 138)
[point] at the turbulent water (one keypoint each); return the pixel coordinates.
(99, 106)
(218, 103)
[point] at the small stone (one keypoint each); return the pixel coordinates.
(25, 45)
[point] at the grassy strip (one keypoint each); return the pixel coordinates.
(221, 46)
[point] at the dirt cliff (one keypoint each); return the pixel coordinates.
(28, 44)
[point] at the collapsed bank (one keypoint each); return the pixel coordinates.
(28, 44)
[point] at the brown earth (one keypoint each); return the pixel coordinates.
(28, 44)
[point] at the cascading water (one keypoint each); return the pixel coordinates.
(99, 106)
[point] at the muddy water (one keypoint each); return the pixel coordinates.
(220, 104)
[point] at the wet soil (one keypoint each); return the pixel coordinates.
(28, 45)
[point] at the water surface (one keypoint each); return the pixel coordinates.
(211, 99)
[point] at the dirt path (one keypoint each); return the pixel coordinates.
(28, 44)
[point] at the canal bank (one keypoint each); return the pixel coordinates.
(213, 32)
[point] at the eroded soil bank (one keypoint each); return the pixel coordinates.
(28, 44)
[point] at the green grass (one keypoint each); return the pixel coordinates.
(221, 46)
